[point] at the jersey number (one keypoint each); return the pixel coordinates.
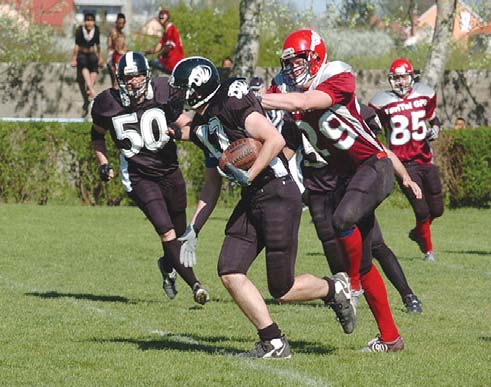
(146, 137)
(403, 131)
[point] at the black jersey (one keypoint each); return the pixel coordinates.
(141, 132)
(224, 122)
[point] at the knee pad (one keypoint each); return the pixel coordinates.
(279, 290)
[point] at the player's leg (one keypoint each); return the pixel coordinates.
(369, 186)
(279, 219)
(421, 233)
(375, 292)
(393, 270)
(239, 249)
(321, 207)
(174, 189)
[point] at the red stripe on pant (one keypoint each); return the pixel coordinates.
(376, 296)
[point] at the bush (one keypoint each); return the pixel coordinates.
(464, 159)
(55, 162)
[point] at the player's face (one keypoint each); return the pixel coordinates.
(120, 23)
(402, 80)
(134, 83)
(297, 68)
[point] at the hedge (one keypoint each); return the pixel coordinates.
(53, 162)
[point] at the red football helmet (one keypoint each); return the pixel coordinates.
(303, 55)
(401, 76)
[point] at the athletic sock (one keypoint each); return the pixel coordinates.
(376, 296)
(423, 231)
(171, 252)
(330, 293)
(167, 264)
(269, 333)
(352, 246)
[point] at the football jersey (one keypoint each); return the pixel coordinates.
(224, 122)
(339, 133)
(404, 120)
(141, 132)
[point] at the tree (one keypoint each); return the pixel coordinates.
(437, 58)
(247, 49)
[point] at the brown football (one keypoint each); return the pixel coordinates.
(241, 153)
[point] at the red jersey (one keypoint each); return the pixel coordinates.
(404, 120)
(176, 53)
(339, 133)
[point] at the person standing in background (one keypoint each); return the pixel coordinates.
(116, 47)
(169, 47)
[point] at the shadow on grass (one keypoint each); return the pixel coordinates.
(81, 296)
(471, 252)
(485, 338)
(208, 344)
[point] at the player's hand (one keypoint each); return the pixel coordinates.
(409, 183)
(73, 63)
(106, 172)
(189, 241)
(432, 133)
(238, 175)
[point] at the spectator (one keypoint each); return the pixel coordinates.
(169, 46)
(459, 123)
(226, 70)
(87, 55)
(116, 47)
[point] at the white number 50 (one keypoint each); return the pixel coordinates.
(147, 137)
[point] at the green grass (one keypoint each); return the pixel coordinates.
(81, 304)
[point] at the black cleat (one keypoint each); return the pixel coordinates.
(269, 349)
(168, 280)
(342, 304)
(412, 304)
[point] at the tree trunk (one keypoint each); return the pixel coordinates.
(435, 62)
(247, 48)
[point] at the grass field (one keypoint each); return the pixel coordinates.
(81, 304)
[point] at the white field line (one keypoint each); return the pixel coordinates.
(258, 365)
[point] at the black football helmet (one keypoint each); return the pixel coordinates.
(131, 64)
(196, 80)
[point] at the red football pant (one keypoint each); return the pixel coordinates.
(376, 296)
(352, 247)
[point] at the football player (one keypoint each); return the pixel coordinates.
(268, 213)
(404, 112)
(332, 123)
(137, 116)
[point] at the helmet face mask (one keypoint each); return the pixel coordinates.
(401, 77)
(194, 80)
(303, 55)
(133, 77)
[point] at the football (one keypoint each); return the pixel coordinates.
(241, 153)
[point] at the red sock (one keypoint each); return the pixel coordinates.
(423, 230)
(352, 246)
(376, 296)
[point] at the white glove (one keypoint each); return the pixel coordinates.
(432, 133)
(189, 241)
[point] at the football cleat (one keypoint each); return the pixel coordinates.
(418, 239)
(377, 345)
(412, 304)
(168, 279)
(342, 304)
(429, 257)
(269, 349)
(201, 295)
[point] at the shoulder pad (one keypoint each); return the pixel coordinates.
(329, 70)
(161, 89)
(383, 98)
(421, 89)
(107, 104)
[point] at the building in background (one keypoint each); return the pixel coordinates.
(108, 9)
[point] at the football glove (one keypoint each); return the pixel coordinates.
(432, 133)
(189, 241)
(238, 175)
(104, 171)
